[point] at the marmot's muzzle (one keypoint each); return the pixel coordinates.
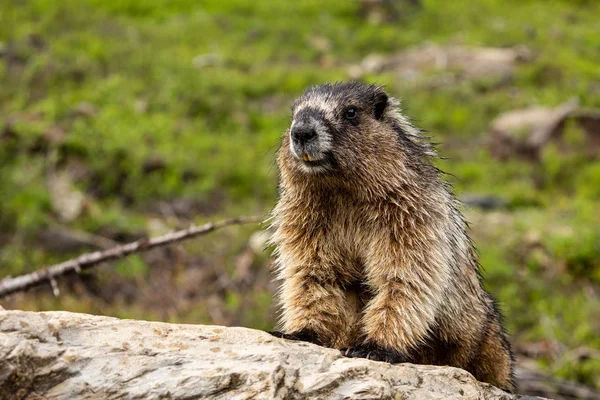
(309, 138)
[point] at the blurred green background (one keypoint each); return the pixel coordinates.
(121, 119)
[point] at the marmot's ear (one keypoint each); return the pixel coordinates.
(381, 101)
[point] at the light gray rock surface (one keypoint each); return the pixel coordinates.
(61, 355)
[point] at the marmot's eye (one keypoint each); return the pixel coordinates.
(350, 113)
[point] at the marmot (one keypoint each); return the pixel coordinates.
(370, 244)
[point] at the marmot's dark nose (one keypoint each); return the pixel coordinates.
(303, 134)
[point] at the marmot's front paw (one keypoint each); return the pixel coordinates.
(375, 353)
(304, 335)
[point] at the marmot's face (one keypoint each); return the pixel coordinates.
(335, 126)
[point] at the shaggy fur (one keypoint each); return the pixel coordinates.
(371, 247)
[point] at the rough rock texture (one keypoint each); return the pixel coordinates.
(61, 355)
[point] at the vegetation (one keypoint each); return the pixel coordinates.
(167, 111)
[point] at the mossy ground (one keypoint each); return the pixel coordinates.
(202, 91)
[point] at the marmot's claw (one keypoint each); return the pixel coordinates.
(304, 335)
(375, 353)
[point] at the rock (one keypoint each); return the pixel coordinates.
(66, 200)
(206, 60)
(62, 355)
(378, 11)
(464, 62)
(86, 110)
(535, 382)
(524, 133)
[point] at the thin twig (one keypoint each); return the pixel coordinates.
(11, 285)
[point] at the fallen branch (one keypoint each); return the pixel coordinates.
(49, 274)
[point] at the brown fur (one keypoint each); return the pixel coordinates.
(373, 252)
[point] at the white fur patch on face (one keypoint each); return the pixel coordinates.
(292, 149)
(325, 104)
(316, 150)
(323, 135)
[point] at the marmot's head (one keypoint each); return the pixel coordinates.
(352, 132)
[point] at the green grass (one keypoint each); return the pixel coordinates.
(205, 88)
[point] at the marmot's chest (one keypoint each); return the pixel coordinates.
(347, 228)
